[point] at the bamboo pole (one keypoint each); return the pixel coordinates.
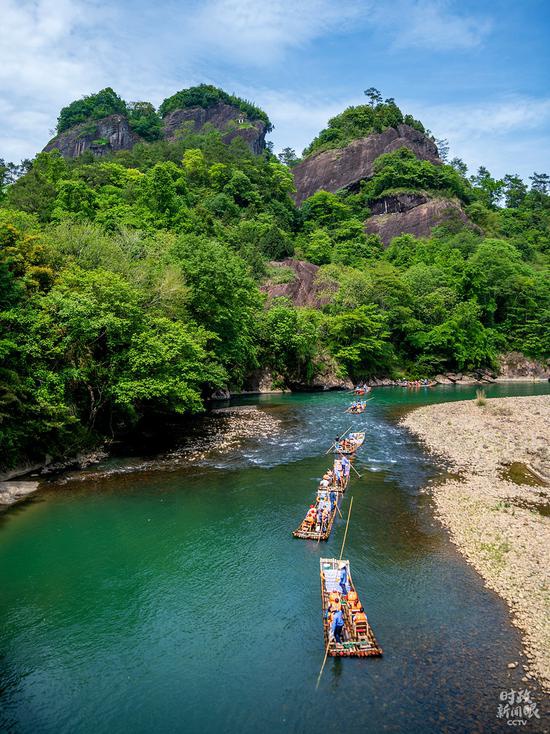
(355, 470)
(339, 439)
(324, 661)
(346, 531)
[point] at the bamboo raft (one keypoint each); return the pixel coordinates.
(308, 532)
(356, 411)
(357, 639)
(354, 442)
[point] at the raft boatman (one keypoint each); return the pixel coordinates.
(337, 626)
(344, 579)
(345, 467)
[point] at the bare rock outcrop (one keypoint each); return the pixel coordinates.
(398, 203)
(342, 168)
(418, 220)
(11, 492)
(98, 136)
(114, 133)
(302, 288)
(228, 119)
(516, 366)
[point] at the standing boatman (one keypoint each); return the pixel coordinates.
(337, 625)
(344, 579)
(345, 468)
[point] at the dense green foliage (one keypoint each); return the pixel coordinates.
(130, 285)
(358, 122)
(142, 116)
(91, 107)
(402, 170)
(206, 95)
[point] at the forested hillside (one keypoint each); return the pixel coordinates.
(130, 284)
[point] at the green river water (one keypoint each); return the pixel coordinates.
(174, 599)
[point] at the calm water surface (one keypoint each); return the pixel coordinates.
(177, 601)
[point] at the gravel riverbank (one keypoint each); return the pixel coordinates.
(498, 508)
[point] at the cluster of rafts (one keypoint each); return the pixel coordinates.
(347, 631)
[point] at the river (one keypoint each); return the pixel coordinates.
(174, 599)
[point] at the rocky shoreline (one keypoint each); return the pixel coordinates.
(498, 508)
(220, 432)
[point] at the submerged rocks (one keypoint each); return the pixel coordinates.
(341, 168)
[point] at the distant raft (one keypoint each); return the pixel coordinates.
(357, 636)
(310, 527)
(350, 444)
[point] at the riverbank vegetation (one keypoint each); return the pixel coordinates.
(131, 284)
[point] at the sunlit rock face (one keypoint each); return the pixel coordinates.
(342, 168)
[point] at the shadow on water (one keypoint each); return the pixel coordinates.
(175, 599)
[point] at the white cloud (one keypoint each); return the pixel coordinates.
(259, 32)
(54, 51)
(430, 24)
(298, 118)
(508, 135)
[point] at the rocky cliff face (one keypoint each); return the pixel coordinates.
(515, 365)
(114, 133)
(98, 136)
(229, 120)
(303, 289)
(342, 168)
(414, 214)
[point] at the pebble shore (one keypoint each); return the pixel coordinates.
(497, 508)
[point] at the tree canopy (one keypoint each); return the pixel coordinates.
(360, 121)
(206, 95)
(131, 285)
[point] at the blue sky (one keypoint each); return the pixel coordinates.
(476, 73)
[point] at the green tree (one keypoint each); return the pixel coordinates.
(144, 120)
(515, 191)
(374, 96)
(91, 107)
(223, 298)
(289, 342)
(358, 339)
(288, 157)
